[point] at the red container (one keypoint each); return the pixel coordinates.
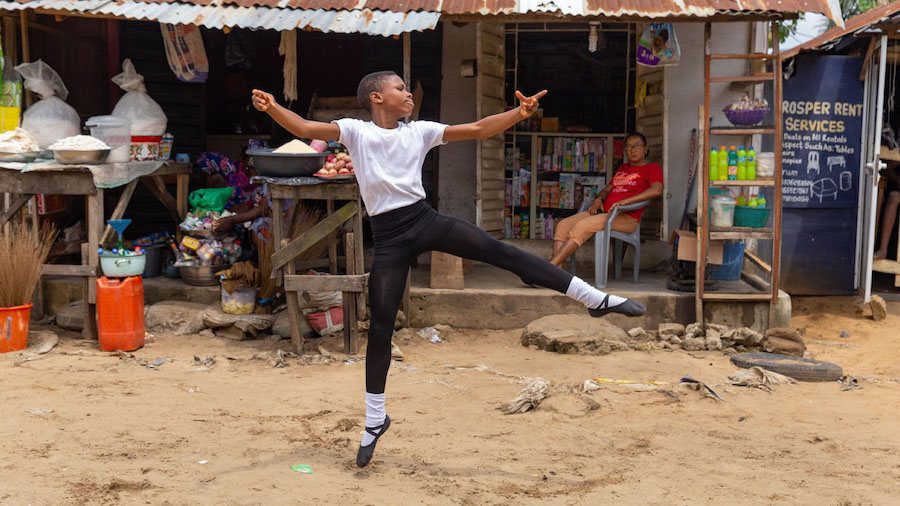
(120, 313)
(14, 328)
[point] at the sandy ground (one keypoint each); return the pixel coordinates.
(122, 433)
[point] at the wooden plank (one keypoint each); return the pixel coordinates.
(702, 192)
(52, 182)
(181, 194)
(357, 258)
(88, 311)
(338, 283)
(325, 191)
(743, 79)
(886, 266)
(446, 271)
(758, 261)
(95, 224)
(351, 318)
(763, 181)
(865, 66)
(741, 131)
(118, 212)
(719, 233)
(777, 204)
(311, 237)
(158, 189)
(17, 204)
(291, 298)
(68, 270)
(172, 167)
(715, 296)
(332, 242)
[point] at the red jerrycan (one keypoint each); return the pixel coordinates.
(120, 313)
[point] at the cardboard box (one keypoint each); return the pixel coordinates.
(687, 247)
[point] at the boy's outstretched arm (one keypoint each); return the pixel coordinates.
(493, 125)
(292, 122)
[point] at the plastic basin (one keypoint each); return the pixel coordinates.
(272, 164)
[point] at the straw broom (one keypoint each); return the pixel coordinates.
(23, 251)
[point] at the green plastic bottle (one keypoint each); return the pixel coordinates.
(742, 200)
(761, 200)
(732, 164)
(723, 164)
(742, 164)
(751, 164)
(713, 164)
(753, 201)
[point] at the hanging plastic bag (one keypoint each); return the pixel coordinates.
(185, 52)
(658, 46)
(145, 115)
(50, 118)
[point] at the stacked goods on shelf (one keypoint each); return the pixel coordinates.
(572, 154)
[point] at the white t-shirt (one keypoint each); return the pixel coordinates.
(388, 162)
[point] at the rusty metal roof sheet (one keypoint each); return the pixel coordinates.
(372, 22)
(853, 25)
(391, 17)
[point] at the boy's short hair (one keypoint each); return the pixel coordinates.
(369, 84)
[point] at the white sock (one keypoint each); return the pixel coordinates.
(374, 415)
(588, 295)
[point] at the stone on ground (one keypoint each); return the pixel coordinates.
(713, 342)
(784, 333)
(671, 329)
(694, 330)
(694, 344)
(879, 308)
(744, 336)
(638, 333)
(573, 334)
(175, 317)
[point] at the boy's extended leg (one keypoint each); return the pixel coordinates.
(463, 239)
(387, 281)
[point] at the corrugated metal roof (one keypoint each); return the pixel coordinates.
(392, 17)
(367, 21)
(853, 25)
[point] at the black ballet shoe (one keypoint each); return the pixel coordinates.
(365, 453)
(627, 308)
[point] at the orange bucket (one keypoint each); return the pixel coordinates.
(14, 328)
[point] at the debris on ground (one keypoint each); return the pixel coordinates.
(701, 387)
(671, 329)
(845, 334)
(40, 411)
(849, 383)
(529, 398)
(396, 354)
(757, 377)
(176, 317)
(40, 342)
(430, 334)
(302, 468)
(784, 341)
(204, 361)
(597, 383)
(878, 307)
(638, 333)
(574, 334)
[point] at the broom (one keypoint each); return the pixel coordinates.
(23, 251)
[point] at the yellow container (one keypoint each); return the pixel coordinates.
(9, 118)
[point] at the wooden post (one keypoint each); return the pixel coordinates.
(407, 58)
(26, 52)
(89, 330)
(351, 322)
(332, 242)
(777, 203)
(293, 302)
(702, 202)
(358, 256)
(95, 226)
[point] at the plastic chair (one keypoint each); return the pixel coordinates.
(601, 245)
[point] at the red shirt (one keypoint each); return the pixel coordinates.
(630, 181)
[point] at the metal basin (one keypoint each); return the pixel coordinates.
(201, 275)
(86, 157)
(272, 164)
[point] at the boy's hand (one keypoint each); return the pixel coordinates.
(262, 100)
(528, 105)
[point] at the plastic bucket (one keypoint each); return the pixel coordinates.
(154, 263)
(145, 147)
(116, 133)
(14, 328)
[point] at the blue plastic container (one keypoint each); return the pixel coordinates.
(732, 263)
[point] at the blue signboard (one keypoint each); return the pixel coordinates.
(823, 117)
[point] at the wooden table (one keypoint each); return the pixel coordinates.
(353, 284)
(23, 186)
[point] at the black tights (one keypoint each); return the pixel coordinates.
(404, 233)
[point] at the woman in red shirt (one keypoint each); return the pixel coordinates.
(635, 181)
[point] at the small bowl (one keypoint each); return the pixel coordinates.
(81, 157)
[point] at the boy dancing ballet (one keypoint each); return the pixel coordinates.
(387, 155)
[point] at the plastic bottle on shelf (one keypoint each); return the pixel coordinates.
(549, 227)
(742, 164)
(732, 164)
(524, 225)
(761, 200)
(539, 226)
(713, 164)
(753, 201)
(751, 164)
(723, 164)
(742, 199)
